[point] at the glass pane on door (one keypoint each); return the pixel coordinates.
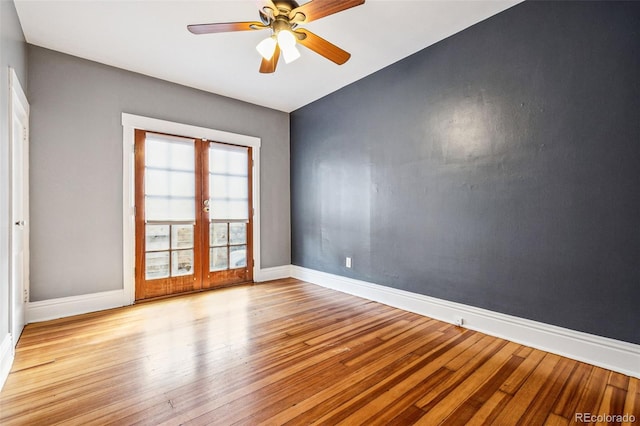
(237, 233)
(157, 265)
(181, 263)
(169, 185)
(181, 236)
(218, 234)
(157, 237)
(218, 259)
(169, 194)
(229, 206)
(237, 257)
(228, 182)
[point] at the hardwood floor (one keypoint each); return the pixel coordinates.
(288, 352)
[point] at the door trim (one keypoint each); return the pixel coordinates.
(18, 107)
(132, 122)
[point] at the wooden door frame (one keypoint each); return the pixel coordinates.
(132, 122)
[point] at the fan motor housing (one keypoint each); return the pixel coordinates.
(285, 6)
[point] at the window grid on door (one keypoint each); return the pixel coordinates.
(227, 245)
(168, 250)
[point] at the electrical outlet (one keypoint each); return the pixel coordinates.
(459, 321)
(347, 262)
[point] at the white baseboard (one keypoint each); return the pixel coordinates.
(75, 305)
(611, 354)
(6, 358)
(275, 273)
(68, 306)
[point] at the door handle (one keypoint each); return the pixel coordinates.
(20, 223)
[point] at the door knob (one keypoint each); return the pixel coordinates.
(20, 223)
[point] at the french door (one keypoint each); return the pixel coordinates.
(193, 214)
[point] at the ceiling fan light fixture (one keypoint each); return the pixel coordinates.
(287, 42)
(267, 47)
(286, 39)
(290, 54)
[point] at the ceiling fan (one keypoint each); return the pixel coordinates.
(282, 17)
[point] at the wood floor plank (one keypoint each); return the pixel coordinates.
(347, 390)
(361, 378)
(513, 382)
(406, 339)
(294, 367)
(548, 392)
(518, 405)
(408, 416)
(483, 394)
(556, 420)
(364, 379)
(472, 359)
(618, 380)
(421, 369)
(592, 393)
(392, 409)
(612, 404)
(632, 401)
(288, 352)
(489, 363)
(565, 405)
(490, 409)
(283, 394)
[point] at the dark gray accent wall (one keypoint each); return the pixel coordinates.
(13, 53)
(498, 168)
(76, 166)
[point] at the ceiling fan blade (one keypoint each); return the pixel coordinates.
(269, 65)
(317, 9)
(225, 27)
(322, 46)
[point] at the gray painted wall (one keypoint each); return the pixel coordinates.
(76, 166)
(498, 168)
(13, 53)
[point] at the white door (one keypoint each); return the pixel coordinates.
(19, 207)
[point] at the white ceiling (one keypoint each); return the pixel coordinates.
(150, 37)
